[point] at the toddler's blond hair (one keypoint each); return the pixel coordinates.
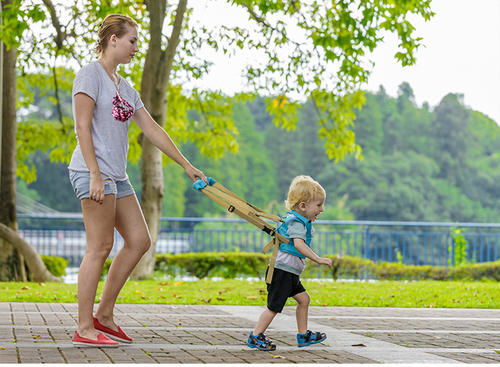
(303, 189)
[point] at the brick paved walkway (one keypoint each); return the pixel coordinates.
(41, 333)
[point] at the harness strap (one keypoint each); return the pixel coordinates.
(248, 212)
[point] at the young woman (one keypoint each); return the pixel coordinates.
(103, 106)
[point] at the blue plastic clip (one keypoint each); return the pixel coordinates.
(200, 184)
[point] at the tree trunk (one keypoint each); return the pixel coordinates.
(11, 261)
(154, 85)
(15, 253)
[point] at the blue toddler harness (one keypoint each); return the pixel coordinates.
(288, 247)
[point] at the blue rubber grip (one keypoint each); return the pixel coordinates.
(200, 184)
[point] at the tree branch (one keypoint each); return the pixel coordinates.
(262, 21)
(60, 35)
(56, 93)
(59, 39)
(168, 56)
(156, 11)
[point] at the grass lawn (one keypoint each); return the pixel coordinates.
(242, 292)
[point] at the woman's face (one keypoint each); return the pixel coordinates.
(124, 48)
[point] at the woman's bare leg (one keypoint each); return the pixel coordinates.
(132, 226)
(99, 221)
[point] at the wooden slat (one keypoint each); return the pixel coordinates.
(272, 261)
(241, 209)
(251, 214)
(215, 198)
(227, 195)
(258, 211)
(268, 246)
(227, 191)
(274, 218)
(233, 200)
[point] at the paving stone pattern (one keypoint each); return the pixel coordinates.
(42, 332)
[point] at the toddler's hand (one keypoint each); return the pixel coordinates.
(325, 261)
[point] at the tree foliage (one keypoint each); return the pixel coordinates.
(400, 178)
(312, 49)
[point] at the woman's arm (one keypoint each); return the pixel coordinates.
(305, 250)
(84, 109)
(160, 138)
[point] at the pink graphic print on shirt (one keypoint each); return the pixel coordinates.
(122, 110)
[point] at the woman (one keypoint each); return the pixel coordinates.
(103, 106)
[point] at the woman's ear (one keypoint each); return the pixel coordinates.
(113, 40)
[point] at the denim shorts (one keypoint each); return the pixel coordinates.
(81, 185)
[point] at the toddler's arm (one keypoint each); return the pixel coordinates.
(305, 250)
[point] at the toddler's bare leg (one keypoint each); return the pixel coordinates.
(265, 320)
(302, 311)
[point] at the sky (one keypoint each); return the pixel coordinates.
(461, 55)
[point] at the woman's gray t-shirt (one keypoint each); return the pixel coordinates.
(110, 136)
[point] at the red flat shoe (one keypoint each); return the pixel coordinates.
(101, 341)
(115, 335)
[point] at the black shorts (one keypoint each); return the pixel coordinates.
(283, 285)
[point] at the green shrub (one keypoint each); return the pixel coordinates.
(395, 271)
(342, 267)
(230, 265)
(55, 264)
(349, 266)
(459, 249)
(240, 264)
(205, 264)
(480, 271)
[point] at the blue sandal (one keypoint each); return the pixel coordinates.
(261, 342)
(309, 338)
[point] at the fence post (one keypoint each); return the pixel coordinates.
(367, 243)
(451, 249)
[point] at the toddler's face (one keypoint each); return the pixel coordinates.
(312, 209)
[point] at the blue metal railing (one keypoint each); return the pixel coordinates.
(417, 243)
